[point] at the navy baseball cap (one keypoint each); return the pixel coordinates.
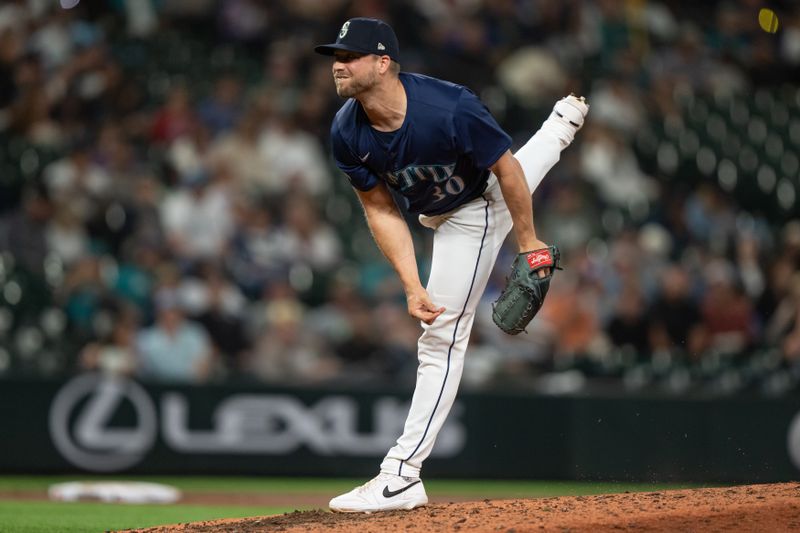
(364, 36)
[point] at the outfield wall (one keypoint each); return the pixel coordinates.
(89, 424)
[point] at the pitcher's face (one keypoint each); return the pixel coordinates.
(354, 73)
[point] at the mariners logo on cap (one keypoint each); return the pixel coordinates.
(363, 36)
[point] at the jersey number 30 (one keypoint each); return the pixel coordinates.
(453, 186)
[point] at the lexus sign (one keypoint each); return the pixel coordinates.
(82, 412)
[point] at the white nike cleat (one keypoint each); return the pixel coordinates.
(385, 492)
(568, 116)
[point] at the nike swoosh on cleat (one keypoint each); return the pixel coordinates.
(391, 493)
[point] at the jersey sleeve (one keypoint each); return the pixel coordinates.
(361, 177)
(477, 132)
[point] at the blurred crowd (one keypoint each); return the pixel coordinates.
(168, 207)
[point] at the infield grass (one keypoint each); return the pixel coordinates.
(50, 517)
(26, 516)
(293, 485)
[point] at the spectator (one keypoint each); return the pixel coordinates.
(213, 301)
(136, 274)
(116, 354)
(305, 239)
(608, 163)
(618, 105)
(629, 324)
(570, 317)
(257, 256)
(244, 20)
(748, 265)
(223, 108)
(295, 157)
(143, 205)
(285, 351)
(675, 315)
(78, 181)
(726, 312)
(570, 218)
(778, 286)
(360, 351)
(22, 232)
(66, 236)
(710, 217)
(237, 154)
(188, 154)
(331, 320)
(83, 295)
(10, 50)
(116, 154)
(52, 40)
(531, 75)
(175, 118)
(29, 115)
(174, 349)
(783, 329)
(398, 334)
(197, 218)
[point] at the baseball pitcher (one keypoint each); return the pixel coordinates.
(436, 144)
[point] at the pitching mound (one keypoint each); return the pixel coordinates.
(773, 508)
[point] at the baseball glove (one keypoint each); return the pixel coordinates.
(524, 293)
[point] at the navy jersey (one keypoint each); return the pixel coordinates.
(438, 160)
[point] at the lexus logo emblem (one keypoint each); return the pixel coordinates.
(80, 417)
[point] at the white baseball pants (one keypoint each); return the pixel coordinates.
(465, 246)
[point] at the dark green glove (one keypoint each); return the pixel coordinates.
(524, 293)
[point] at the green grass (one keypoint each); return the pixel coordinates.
(456, 487)
(46, 517)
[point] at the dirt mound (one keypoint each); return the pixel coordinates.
(762, 508)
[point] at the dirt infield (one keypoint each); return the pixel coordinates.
(756, 508)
